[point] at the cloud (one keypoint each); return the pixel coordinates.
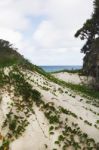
(51, 40)
(46, 35)
(10, 35)
(15, 14)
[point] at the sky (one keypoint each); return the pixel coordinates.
(43, 30)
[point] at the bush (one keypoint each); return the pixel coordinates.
(36, 95)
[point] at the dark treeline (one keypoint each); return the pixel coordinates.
(90, 33)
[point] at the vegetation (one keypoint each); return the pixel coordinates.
(70, 136)
(67, 112)
(10, 57)
(17, 124)
(24, 100)
(24, 97)
(8, 53)
(86, 91)
(90, 32)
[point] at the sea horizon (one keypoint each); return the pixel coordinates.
(53, 68)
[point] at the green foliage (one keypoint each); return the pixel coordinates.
(36, 95)
(4, 79)
(90, 28)
(16, 124)
(67, 112)
(23, 88)
(53, 119)
(5, 145)
(51, 128)
(8, 54)
(10, 57)
(61, 138)
(86, 91)
(14, 121)
(97, 122)
(90, 124)
(90, 32)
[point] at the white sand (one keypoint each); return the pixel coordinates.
(72, 77)
(34, 138)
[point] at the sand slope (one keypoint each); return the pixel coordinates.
(37, 135)
(72, 77)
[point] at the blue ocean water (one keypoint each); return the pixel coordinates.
(59, 68)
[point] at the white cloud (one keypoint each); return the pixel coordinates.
(52, 40)
(46, 35)
(10, 35)
(15, 14)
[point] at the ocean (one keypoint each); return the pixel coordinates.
(59, 68)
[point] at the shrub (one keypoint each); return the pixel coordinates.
(36, 96)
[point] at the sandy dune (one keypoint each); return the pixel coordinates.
(36, 136)
(72, 77)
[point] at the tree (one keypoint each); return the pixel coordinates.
(90, 33)
(5, 44)
(90, 29)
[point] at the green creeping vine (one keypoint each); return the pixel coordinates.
(22, 106)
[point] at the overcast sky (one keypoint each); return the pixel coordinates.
(43, 30)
